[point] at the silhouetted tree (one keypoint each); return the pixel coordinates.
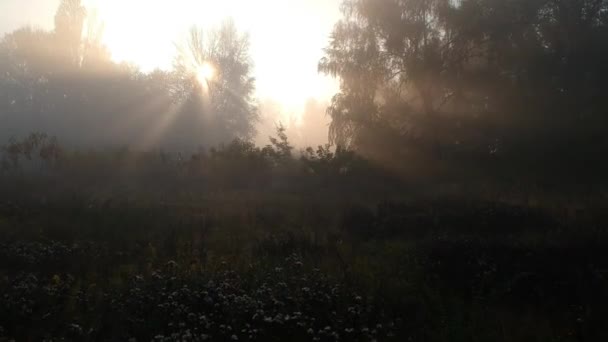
(226, 99)
(64, 83)
(69, 23)
(471, 80)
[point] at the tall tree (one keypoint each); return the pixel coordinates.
(69, 22)
(472, 78)
(212, 72)
(49, 83)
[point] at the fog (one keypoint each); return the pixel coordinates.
(455, 109)
(107, 95)
(307, 170)
(306, 127)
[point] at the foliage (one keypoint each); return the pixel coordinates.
(227, 96)
(479, 84)
(280, 149)
(266, 267)
(64, 82)
(35, 145)
(69, 24)
(245, 241)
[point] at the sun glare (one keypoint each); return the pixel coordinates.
(205, 73)
(287, 75)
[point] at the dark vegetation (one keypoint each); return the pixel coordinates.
(462, 198)
(253, 244)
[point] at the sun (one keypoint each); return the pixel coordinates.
(289, 75)
(205, 73)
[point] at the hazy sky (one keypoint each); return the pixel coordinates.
(287, 36)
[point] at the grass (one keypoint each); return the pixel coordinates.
(250, 244)
(285, 267)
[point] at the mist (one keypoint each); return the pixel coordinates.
(306, 170)
(306, 127)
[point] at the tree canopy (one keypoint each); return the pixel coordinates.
(227, 97)
(517, 80)
(64, 82)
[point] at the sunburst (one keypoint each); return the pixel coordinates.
(205, 73)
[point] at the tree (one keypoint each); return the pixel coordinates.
(63, 83)
(226, 95)
(69, 23)
(386, 51)
(473, 80)
(95, 55)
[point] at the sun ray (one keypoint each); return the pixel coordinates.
(160, 127)
(287, 75)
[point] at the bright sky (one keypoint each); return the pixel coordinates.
(287, 36)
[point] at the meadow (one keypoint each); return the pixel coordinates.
(253, 244)
(459, 194)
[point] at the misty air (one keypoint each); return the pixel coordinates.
(303, 170)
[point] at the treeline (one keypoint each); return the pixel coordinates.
(39, 169)
(64, 82)
(507, 88)
(432, 91)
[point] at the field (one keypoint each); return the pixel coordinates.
(459, 194)
(251, 244)
(246, 266)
